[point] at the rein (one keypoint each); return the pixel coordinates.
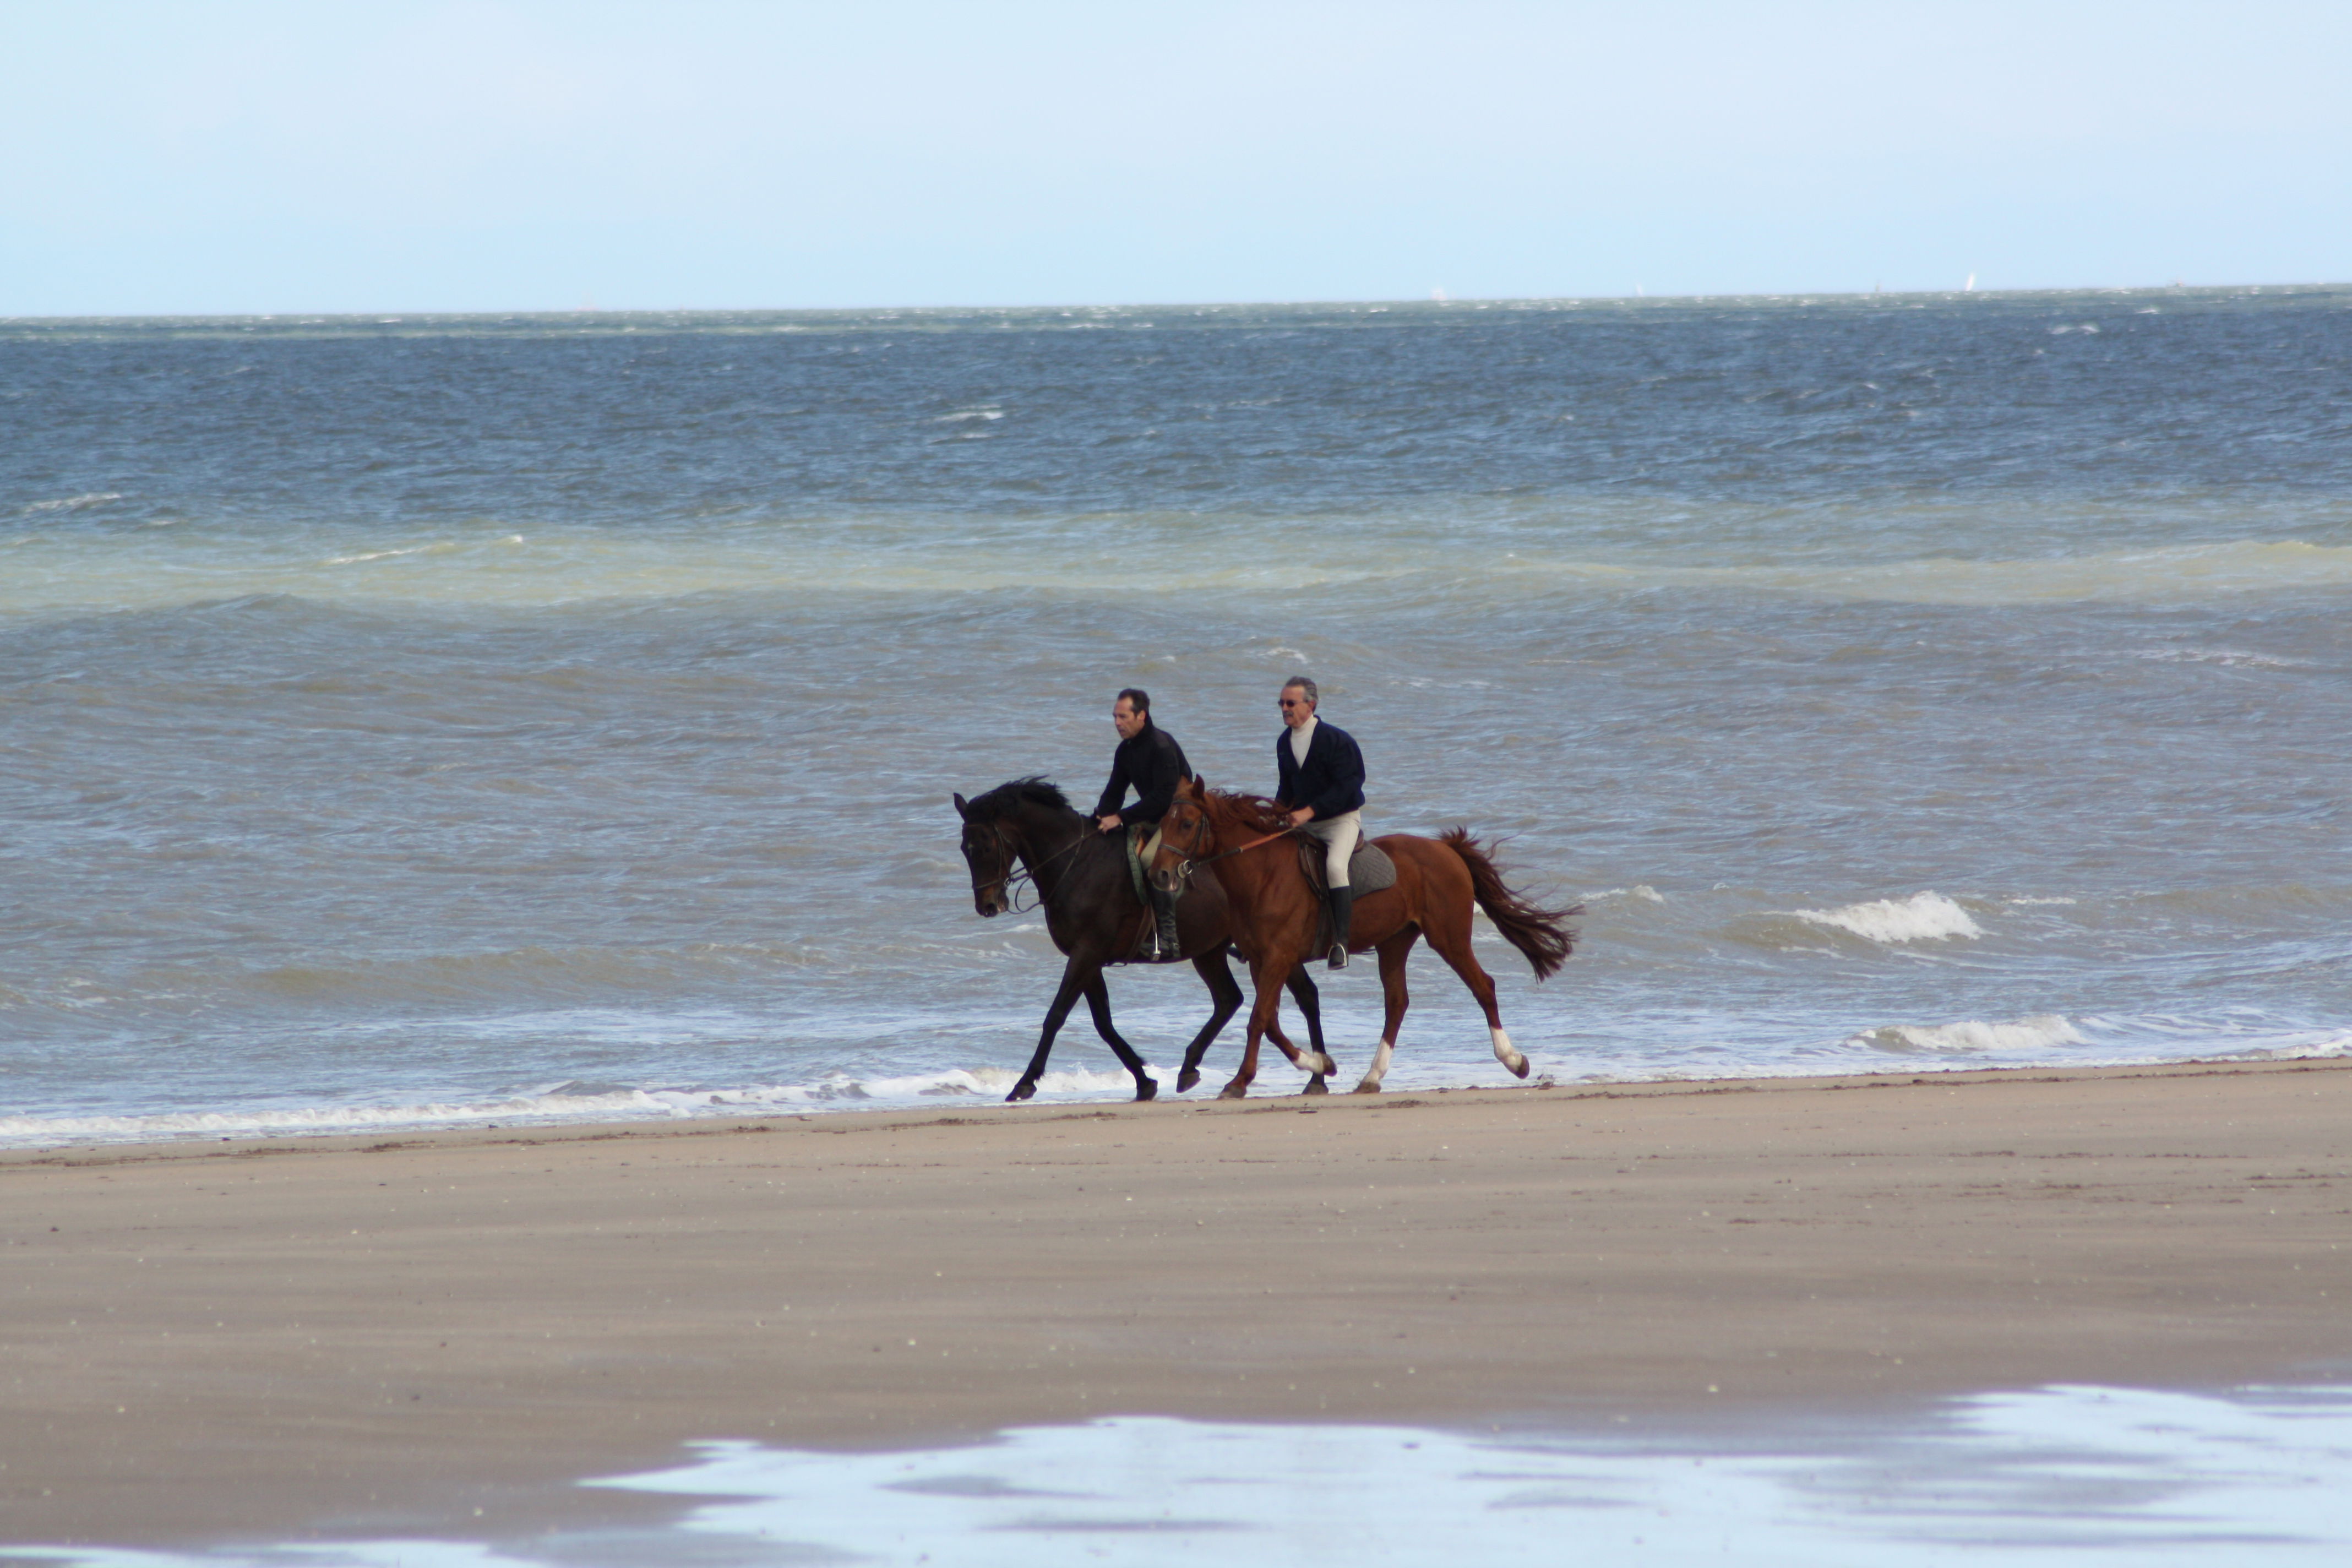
(1239, 849)
(1017, 873)
(1191, 863)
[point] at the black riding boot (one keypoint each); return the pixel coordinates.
(1343, 905)
(1163, 910)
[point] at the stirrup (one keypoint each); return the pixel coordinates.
(1338, 958)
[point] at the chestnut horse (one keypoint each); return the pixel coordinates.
(1245, 842)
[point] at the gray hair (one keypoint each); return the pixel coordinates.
(1303, 684)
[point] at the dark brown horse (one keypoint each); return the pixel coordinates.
(1243, 842)
(1027, 827)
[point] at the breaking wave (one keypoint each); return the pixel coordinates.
(558, 1103)
(1923, 917)
(2035, 1034)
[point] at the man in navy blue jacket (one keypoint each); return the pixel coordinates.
(1320, 775)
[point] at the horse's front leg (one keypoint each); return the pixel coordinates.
(1073, 985)
(1098, 1004)
(1262, 1010)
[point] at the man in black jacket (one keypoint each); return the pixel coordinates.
(1150, 760)
(1320, 775)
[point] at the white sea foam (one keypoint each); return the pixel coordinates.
(1971, 1035)
(1923, 917)
(1641, 892)
(71, 503)
(2321, 1049)
(559, 1103)
(2224, 656)
(2021, 903)
(376, 555)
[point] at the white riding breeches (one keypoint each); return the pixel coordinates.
(1339, 835)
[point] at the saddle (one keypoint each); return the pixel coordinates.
(1369, 869)
(1141, 841)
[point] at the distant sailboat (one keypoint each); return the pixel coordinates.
(1970, 285)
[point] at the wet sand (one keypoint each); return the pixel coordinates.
(262, 1338)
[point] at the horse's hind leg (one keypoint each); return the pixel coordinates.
(1098, 1004)
(1453, 944)
(1315, 1084)
(1225, 996)
(1310, 1006)
(1395, 998)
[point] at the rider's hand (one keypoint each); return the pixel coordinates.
(1108, 823)
(1302, 816)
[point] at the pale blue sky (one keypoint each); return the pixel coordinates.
(255, 157)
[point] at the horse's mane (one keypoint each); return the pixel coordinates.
(1034, 790)
(1255, 812)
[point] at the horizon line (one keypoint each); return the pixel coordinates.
(387, 315)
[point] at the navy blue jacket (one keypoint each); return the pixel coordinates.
(1154, 763)
(1332, 782)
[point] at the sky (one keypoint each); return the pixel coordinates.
(198, 158)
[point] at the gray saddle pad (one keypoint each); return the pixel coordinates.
(1369, 868)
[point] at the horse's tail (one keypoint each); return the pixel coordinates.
(1542, 935)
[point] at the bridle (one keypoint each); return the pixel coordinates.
(1016, 875)
(1191, 860)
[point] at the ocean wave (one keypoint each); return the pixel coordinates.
(2228, 657)
(1970, 1035)
(70, 503)
(1397, 557)
(2320, 1048)
(562, 1102)
(1923, 917)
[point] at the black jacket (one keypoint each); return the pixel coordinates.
(1154, 763)
(1332, 782)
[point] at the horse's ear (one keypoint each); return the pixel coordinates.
(1196, 787)
(963, 808)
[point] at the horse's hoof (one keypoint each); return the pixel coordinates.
(1518, 1069)
(1329, 1065)
(1232, 1091)
(1147, 1088)
(1316, 1086)
(1187, 1078)
(1367, 1087)
(1021, 1090)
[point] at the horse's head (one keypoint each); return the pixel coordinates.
(988, 850)
(1186, 834)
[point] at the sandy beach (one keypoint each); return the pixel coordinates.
(266, 1339)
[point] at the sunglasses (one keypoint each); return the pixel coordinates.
(1292, 702)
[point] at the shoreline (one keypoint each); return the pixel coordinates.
(1116, 1094)
(216, 1339)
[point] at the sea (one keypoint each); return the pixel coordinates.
(423, 720)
